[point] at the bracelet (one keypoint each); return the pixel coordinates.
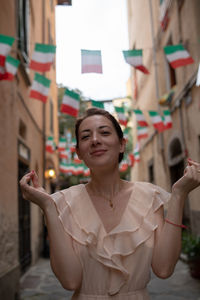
(177, 225)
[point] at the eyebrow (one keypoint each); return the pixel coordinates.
(100, 127)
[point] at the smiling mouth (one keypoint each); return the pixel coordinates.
(98, 152)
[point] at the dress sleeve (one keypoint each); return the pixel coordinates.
(161, 197)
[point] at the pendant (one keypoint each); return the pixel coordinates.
(111, 204)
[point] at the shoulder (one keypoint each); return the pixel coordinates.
(72, 191)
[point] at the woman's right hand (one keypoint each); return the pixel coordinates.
(35, 193)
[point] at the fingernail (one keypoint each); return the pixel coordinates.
(32, 171)
(189, 159)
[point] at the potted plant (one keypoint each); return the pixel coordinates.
(191, 248)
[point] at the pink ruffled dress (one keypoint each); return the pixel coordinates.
(116, 265)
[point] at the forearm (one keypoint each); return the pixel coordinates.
(168, 242)
(64, 261)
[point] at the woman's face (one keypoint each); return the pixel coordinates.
(99, 144)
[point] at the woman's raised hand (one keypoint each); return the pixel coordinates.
(190, 180)
(35, 193)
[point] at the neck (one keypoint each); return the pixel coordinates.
(105, 183)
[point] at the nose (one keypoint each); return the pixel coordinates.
(95, 139)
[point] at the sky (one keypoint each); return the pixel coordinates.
(93, 25)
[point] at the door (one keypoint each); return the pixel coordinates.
(24, 223)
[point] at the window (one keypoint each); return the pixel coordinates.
(151, 171)
(23, 27)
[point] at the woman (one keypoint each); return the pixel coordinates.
(106, 235)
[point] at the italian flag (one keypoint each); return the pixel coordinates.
(136, 153)
(50, 145)
(134, 58)
(86, 171)
(11, 67)
(91, 61)
(125, 133)
(73, 146)
(123, 165)
(64, 154)
(157, 121)
(6, 43)
(131, 159)
(167, 119)
(142, 132)
(140, 118)
(65, 168)
(97, 104)
(177, 56)
(40, 88)
(70, 103)
(121, 115)
(77, 160)
(62, 144)
(42, 57)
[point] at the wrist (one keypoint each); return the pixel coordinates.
(48, 205)
(179, 194)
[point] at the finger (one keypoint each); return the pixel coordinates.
(192, 162)
(35, 180)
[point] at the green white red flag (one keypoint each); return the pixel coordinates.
(123, 166)
(86, 171)
(177, 56)
(157, 121)
(73, 146)
(8, 72)
(40, 88)
(91, 61)
(140, 118)
(70, 103)
(131, 159)
(77, 160)
(50, 145)
(97, 104)
(6, 43)
(142, 132)
(65, 168)
(42, 57)
(167, 119)
(136, 153)
(62, 144)
(64, 154)
(125, 133)
(121, 115)
(164, 18)
(134, 58)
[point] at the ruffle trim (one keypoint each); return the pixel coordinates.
(81, 221)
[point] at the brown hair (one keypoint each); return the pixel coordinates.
(97, 111)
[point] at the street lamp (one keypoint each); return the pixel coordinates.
(50, 173)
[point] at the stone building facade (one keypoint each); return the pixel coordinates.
(25, 124)
(164, 155)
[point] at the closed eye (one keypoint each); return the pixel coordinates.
(84, 137)
(105, 132)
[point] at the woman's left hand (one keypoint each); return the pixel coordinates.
(190, 180)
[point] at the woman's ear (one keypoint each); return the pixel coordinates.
(122, 145)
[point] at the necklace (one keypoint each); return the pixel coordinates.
(110, 199)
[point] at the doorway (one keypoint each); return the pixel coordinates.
(24, 223)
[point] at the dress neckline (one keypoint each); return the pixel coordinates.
(98, 215)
